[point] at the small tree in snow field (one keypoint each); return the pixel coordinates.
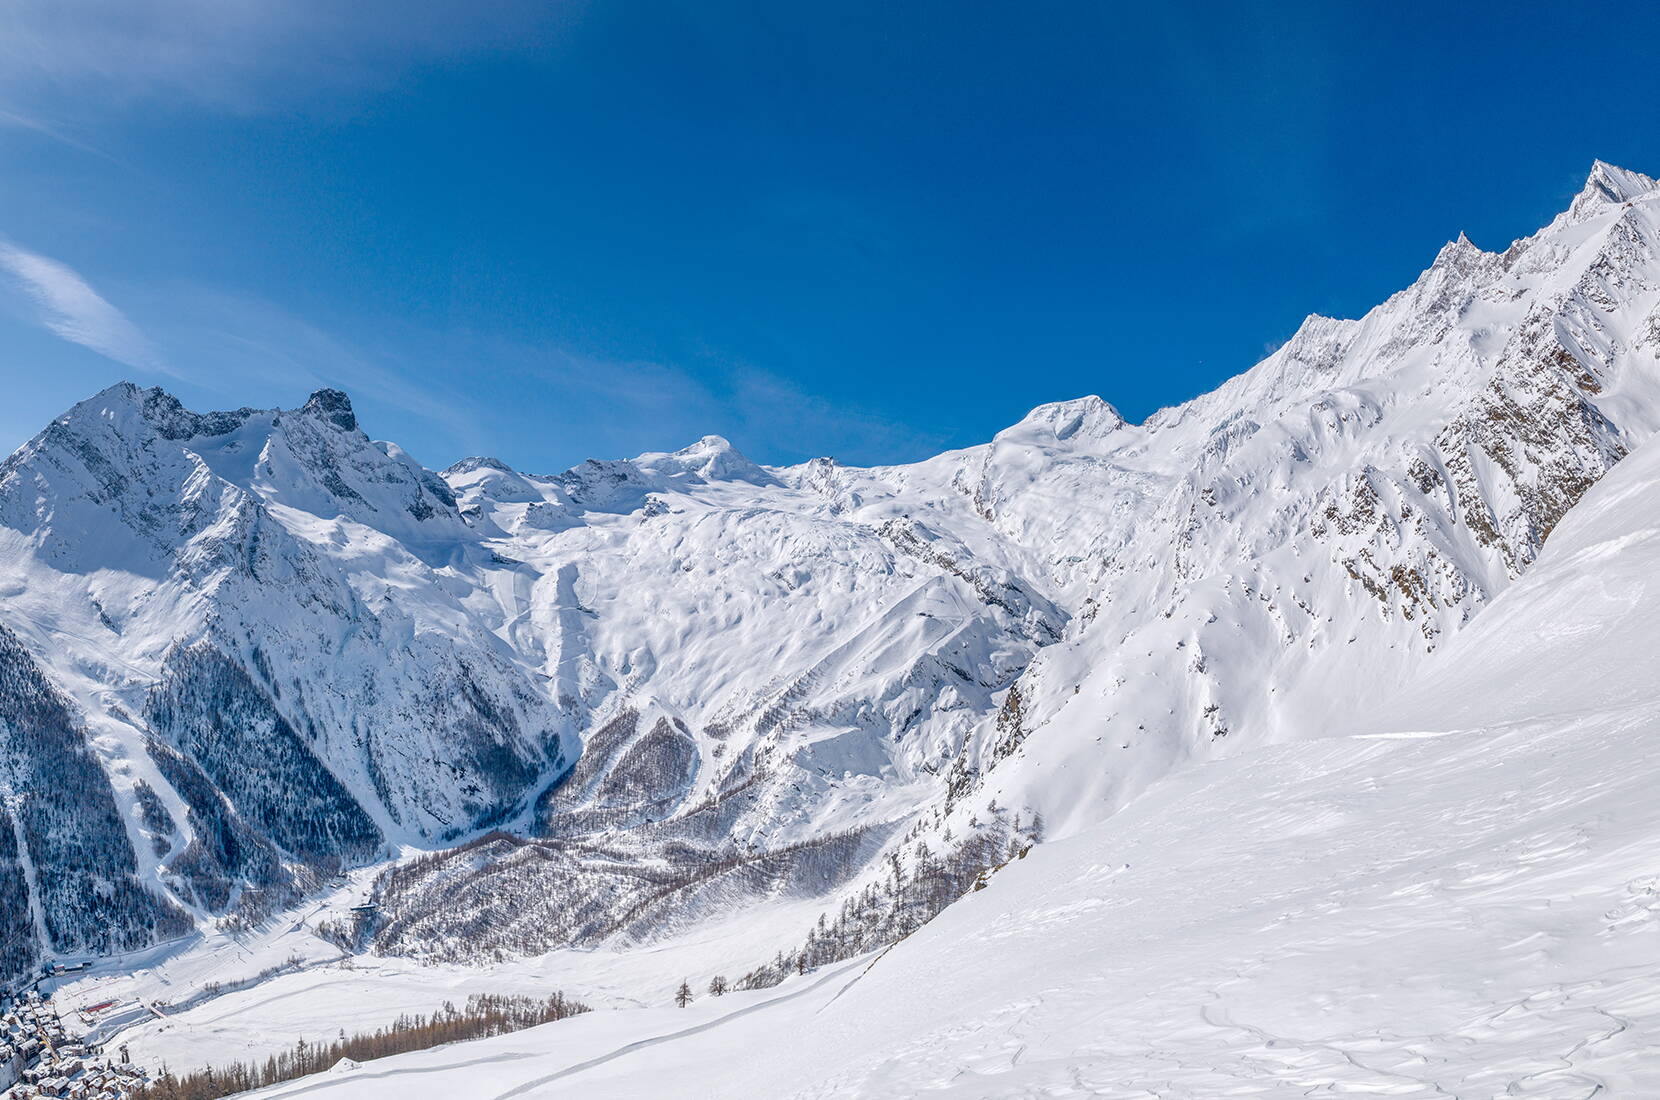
(683, 995)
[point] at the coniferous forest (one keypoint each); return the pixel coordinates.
(484, 1015)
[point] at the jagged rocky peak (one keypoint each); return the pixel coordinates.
(167, 415)
(1459, 254)
(127, 403)
(1608, 184)
(315, 458)
(334, 407)
(1617, 184)
(1317, 328)
(1082, 419)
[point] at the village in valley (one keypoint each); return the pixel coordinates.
(40, 1057)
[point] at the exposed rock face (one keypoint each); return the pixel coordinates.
(679, 682)
(334, 407)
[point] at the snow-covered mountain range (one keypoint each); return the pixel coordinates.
(1455, 898)
(243, 651)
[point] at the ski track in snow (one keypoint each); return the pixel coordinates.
(641, 1045)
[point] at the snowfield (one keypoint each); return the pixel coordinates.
(1335, 688)
(1448, 907)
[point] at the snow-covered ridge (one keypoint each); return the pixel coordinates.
(684, 681)
(1455, 898)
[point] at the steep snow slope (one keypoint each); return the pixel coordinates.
(1257, 565)
(1461, 901)
(768, 686)
(294, 650)
(1276, 557)
(251, 615)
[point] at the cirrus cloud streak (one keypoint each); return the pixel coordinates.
(66, 304)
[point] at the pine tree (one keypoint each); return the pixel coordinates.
(683, 995)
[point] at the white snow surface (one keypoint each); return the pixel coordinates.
(1213, 575)
(1461, 900)
(1346, 764)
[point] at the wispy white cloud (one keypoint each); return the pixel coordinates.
(56, 133)
(81, 57)
(66, 304)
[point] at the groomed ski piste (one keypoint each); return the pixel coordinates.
(1459, 897)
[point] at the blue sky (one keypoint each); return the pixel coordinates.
(549, 231)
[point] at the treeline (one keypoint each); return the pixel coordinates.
(909, 894)
(211, 990)
(484, 1015)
